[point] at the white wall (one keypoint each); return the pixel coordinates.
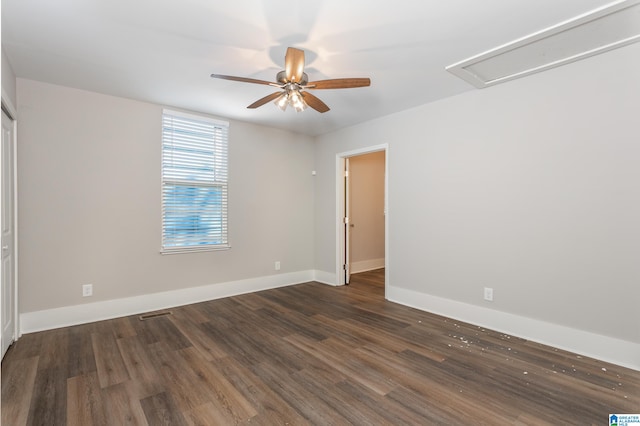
(531, 187)
(366, 179)
(89, 200)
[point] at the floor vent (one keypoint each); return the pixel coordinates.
(152, 315)
(612, 26)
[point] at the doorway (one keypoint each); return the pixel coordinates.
(8, 322)
(361, 215)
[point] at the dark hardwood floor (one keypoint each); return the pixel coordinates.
(305, 354)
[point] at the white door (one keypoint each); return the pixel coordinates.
(347, 224)
(7, 295)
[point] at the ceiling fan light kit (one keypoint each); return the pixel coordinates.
(292, 98)
(294, 83)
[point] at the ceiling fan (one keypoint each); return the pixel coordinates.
(294, 83)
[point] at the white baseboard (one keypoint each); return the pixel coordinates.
(325, 277)
(597, 346)
(89, 312)
(615, 351)
(366, 265)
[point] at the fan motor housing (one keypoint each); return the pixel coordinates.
(281, 77)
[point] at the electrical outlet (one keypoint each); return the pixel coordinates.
(87, 290)
(277, 265)
(488, 294)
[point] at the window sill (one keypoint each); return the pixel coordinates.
(183, 250)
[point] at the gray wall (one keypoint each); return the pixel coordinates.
(530, 187)
(8, 81)
(89, 201)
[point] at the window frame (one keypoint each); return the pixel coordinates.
(221, 173)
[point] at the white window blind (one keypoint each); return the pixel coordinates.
(194, 183)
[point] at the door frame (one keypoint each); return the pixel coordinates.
(347, 220)
(12, 113)
(340, 206)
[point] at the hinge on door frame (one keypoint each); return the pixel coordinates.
(345, 220)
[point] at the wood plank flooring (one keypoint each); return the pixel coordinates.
(305, 354)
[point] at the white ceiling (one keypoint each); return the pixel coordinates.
(163, 51)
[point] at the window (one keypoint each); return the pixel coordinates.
(194, 183)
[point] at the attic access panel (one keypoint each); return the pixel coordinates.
(598, 31)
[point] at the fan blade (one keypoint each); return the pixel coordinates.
(339, 83)
(314, 102)
(266, 99)
(294, 64)
(244, 79)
